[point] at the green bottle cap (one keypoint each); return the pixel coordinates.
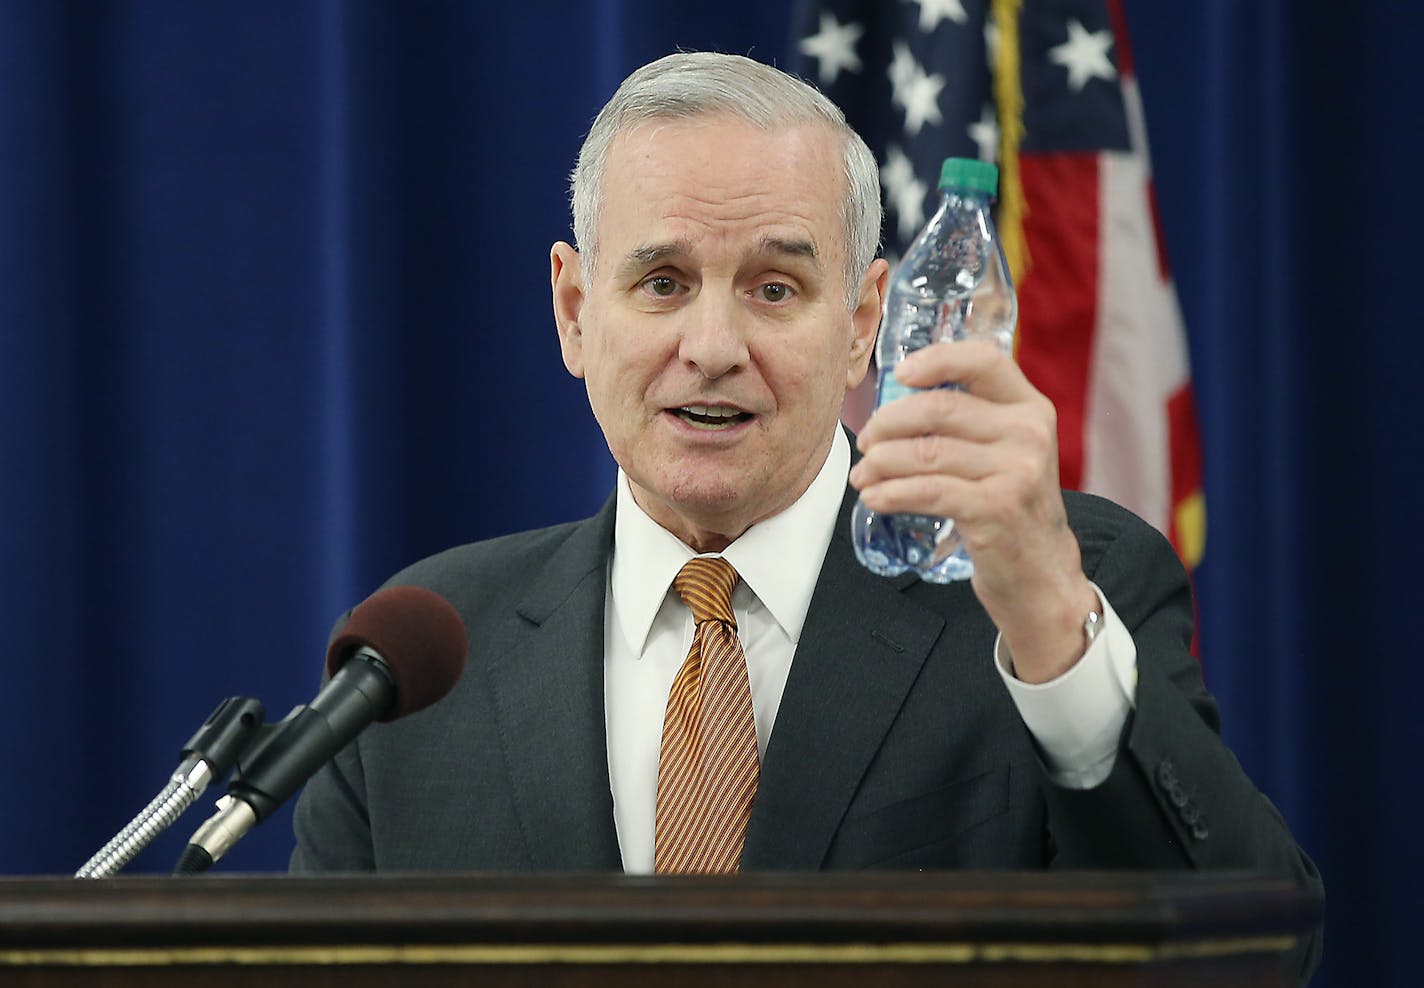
(969, 173)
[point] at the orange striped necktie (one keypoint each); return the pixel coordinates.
(707, 768)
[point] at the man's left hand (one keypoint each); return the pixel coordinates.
(987, 457)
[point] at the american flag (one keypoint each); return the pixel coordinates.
(1045, 89)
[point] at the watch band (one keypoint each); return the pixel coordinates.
(1092, 624)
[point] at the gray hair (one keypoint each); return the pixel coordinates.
(688, 84)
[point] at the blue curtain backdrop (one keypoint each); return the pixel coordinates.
(274, 321)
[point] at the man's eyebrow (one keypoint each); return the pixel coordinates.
(647, 254)
(794, 247)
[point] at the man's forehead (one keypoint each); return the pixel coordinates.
(726, 152)
(681, 186)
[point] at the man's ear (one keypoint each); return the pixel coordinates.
(865, 319)
(566, 282)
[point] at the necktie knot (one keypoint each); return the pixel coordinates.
(705, 585)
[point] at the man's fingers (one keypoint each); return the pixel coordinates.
(978, 366)
(944, 412)
(920, 494)
(1032, 423)
(980, 483)
(924, 454)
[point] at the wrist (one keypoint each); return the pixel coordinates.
(1056, 638)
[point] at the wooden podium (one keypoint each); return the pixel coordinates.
(949, 928)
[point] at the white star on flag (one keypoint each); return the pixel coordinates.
(904, 192)
(985, 133)
(934, 11)
(833, 48)
(1085, 54)
(915, 91)
(902, 67)
(991, 42)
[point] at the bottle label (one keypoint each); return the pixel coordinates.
(891, 389)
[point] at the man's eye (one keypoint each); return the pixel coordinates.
(774, 291)
(661, 285)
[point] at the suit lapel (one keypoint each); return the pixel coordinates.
(861, 648)
(546, 670)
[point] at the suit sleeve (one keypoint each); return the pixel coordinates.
(332, 828)
(1176, 796)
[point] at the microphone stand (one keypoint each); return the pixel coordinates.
(209, 754)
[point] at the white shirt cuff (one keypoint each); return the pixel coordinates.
(1078, 718)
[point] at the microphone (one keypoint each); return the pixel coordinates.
(402, 649)
(209, 754)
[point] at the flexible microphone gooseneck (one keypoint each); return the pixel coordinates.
(401, 650)
(209, 754)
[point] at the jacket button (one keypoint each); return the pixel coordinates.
(1176, 794)
(1166, 773)
(1199, 831)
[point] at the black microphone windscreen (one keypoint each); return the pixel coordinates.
(418, 634)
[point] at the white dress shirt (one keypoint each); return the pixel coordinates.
(648, 630)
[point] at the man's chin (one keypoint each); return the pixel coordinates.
(704, 500)
(707, 506)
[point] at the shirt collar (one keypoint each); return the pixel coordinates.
(646, 556)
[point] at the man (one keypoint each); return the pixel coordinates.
(723, 297)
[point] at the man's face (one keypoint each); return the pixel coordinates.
(714, 339)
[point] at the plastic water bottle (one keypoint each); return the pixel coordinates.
(953, 284)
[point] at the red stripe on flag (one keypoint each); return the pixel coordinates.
(1162, 267)
(1185, 448)
(1058, 297)
(1119, 26)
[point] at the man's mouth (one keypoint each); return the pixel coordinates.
(711, 416)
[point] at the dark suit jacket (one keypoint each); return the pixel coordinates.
(896, 744)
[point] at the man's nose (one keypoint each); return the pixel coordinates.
(714, 334)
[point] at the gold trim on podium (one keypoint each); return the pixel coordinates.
(670, 953)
